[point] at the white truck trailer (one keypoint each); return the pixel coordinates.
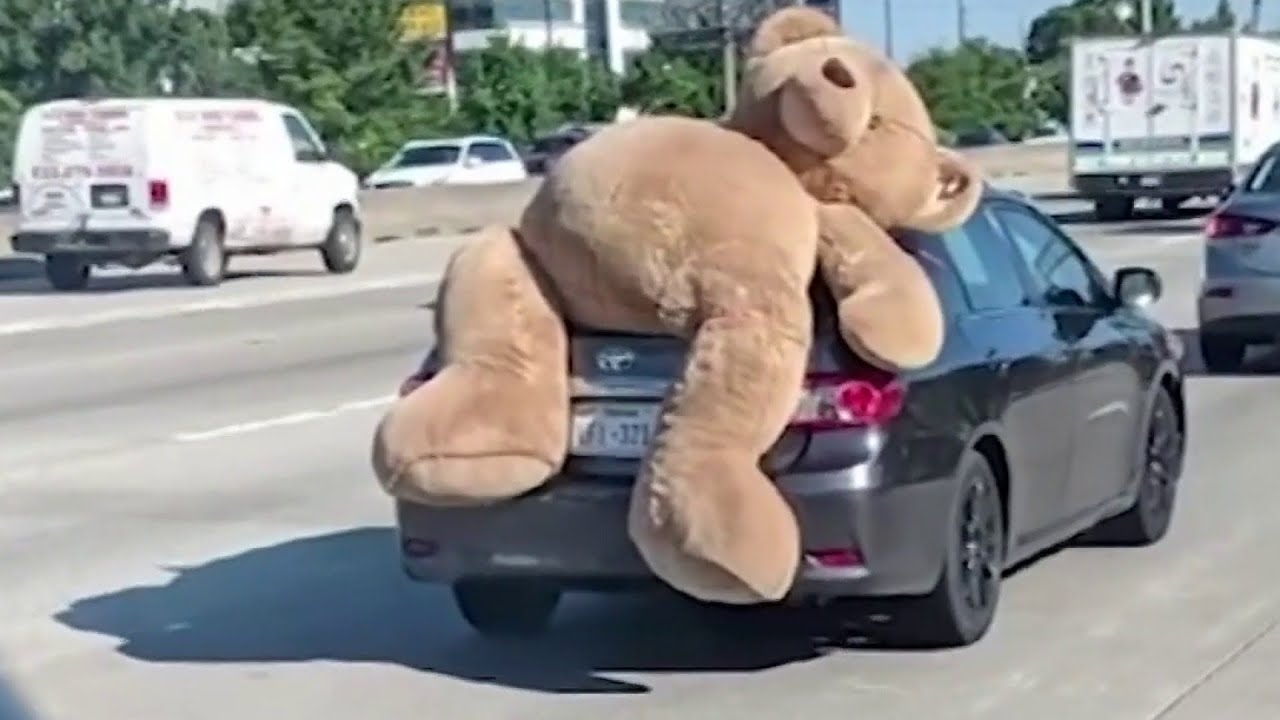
(1171, 118)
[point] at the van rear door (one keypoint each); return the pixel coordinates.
(82, 166)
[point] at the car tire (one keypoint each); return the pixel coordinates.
(1148, 520)
(67, 272)
(962, 606)
(204, 261)
(1113, 209)
(1222, 353)
(342, 245)
(507, 608)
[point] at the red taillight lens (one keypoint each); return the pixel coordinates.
(1221, 226)
(158, 194)
(835, 401)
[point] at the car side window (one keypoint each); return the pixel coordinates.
(489, 152)
(1062, 275)
(305, 147)
(981, 258)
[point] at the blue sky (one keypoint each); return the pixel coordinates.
(921, 24)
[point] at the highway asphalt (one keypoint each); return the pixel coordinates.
(189, 529)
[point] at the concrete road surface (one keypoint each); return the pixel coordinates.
(188, 529)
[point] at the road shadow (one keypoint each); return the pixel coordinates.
(1149, 217)
(1260, 360)
(20, 267)
(340, 597)
(31, 281)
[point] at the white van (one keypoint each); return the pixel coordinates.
(134, 181)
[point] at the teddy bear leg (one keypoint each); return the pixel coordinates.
(704, 517)
(494, 422)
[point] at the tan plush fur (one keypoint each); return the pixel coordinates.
(856, 133)
(704, 231)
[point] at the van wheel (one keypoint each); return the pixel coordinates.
(342, 246)
(66, 272)
(204, 262)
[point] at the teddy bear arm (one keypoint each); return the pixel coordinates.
(889, 312)
(493, 422)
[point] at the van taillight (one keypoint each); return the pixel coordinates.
(158, 194)
(834, 401)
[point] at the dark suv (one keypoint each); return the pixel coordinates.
(1056, 407)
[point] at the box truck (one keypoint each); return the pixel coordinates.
(1169, 118)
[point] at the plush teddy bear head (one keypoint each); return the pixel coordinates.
(851, 125)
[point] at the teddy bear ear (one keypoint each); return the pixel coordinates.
(791, 25)
(958, 193)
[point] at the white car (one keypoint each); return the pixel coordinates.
(472, 160)
(123, 181)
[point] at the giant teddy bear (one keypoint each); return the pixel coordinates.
(711, 232)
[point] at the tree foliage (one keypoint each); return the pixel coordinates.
(979, 84)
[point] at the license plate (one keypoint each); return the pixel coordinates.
(613, 429)
(1149, 181)
(111, 199)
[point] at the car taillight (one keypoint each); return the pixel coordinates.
(835, 401)
(1222, 225)
(158, 194)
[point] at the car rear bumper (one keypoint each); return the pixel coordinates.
(1240, 306)
(1187, 183)
(574, 532)
(93, 242)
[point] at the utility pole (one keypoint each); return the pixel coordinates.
(962, 12)
(730, 56)
(1255, 16)
(1148, 19)
(888, 28)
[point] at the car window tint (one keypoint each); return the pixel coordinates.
(981, 257)
(489, 152)
(1060, 272)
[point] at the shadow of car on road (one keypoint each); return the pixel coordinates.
(340, 597)
(1260, 361)
(30, 280)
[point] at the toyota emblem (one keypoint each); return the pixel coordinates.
(615, 359)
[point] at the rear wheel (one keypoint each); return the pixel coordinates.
(342, 246)
(204, 262)
(1148, 520)
(963, 605)
(507, 608)
(1172, 204)
(1113, 209)
(1222, 353)
(67, 272)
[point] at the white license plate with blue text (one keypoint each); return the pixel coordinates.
(613, 429)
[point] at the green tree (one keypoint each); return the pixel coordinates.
(1223, 19)
(675, 83)
(518, 92)
(345, 65)
(979, 84)
(1049, 33)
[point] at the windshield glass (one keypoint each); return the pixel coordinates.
(426, 155)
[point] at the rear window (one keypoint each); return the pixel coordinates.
(427, 155)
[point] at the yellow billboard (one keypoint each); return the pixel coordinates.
(424, 20)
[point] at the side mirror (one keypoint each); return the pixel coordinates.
(1137, 287)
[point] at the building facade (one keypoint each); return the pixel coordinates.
(611, 30)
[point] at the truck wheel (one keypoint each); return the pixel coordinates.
(1172, 204)
(342, 246)
(66, 272)
(506, 608)
(204, 262)
(1113, 209)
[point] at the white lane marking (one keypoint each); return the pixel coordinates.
(67, 322)
(296, 418)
